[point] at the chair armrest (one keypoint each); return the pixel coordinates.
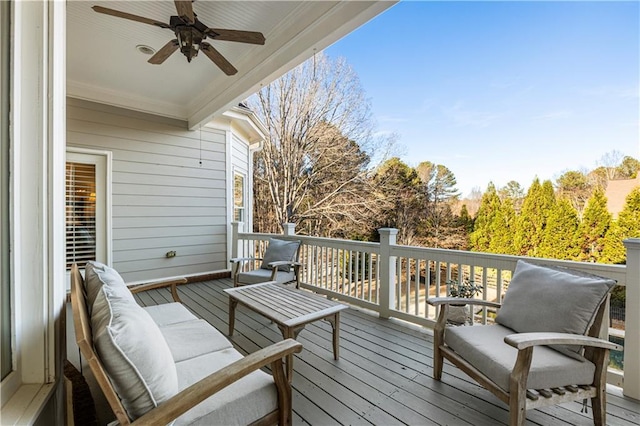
(160, 284)
(243, 259)
(188, 398)
(284, 262)
(525, 340)
(437, 301)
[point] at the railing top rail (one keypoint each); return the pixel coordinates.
(480, 259)
(318, 241)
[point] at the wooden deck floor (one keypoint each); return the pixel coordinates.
(383, 376)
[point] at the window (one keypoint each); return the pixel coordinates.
(80, 213)
(5, 283)
(238, 198)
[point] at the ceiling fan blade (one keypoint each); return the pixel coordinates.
(218, 59)
(185, 10)
(166, 51)
(252, 37)
(125, 15)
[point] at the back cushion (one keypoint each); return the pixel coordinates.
(561, 300)
(133, 351)
(96, 275)
(278, 250)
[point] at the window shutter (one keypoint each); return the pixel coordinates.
(80, 213)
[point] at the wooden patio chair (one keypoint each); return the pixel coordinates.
(279, 263)
(544, 348)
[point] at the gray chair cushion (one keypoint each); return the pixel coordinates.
(240, 403)
(262, 275)
(552, 299)
(278, 250)
(190, 339)
(484, 347)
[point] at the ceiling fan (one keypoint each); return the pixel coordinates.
(190, 35)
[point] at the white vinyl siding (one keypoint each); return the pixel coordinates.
(163, 199)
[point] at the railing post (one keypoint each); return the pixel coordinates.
(387, 271)
(632, 321)
(236, 227)
(289, 229)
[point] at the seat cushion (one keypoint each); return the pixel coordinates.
(133, 351)
(169, 313)
(554, 299)
(484, 347)
(263, 275)
(279, 250)
(240, 403)
(96, 275)
(190, 339)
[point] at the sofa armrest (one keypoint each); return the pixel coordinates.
(161, 284)
(525, 340)
(437, 301)
(188, 398)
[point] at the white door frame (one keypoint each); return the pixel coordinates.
(103, 162)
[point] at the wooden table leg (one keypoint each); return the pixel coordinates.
(334, 320)
(290, 333)
(232, 314)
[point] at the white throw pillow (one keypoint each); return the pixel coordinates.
(96, 275)
(133, 351)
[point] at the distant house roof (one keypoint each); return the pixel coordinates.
(616, 193)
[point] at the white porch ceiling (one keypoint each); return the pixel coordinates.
(103, 64)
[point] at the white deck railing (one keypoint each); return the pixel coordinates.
(392, 280)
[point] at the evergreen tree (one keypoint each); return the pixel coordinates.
(530, 225)
(502, 228)
(627, 226)
(480, 238)
(559, 237)
(574, 186)
(513, 191)
(437, 191)
(628, 168)
(613, 251)
(465, 220)
(596, 220)
(397, 189)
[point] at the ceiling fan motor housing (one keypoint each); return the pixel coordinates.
(189, 36)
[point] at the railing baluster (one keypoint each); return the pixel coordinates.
(485, 289)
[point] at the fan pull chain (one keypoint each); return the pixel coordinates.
(200, 162)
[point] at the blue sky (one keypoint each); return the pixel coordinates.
(500, 91)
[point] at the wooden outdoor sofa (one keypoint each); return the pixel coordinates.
(160, 364)
(544, 348)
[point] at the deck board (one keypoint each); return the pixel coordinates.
(383, 376)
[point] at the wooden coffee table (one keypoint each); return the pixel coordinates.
(291, 309)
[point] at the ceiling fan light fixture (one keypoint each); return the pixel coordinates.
(189, 39)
